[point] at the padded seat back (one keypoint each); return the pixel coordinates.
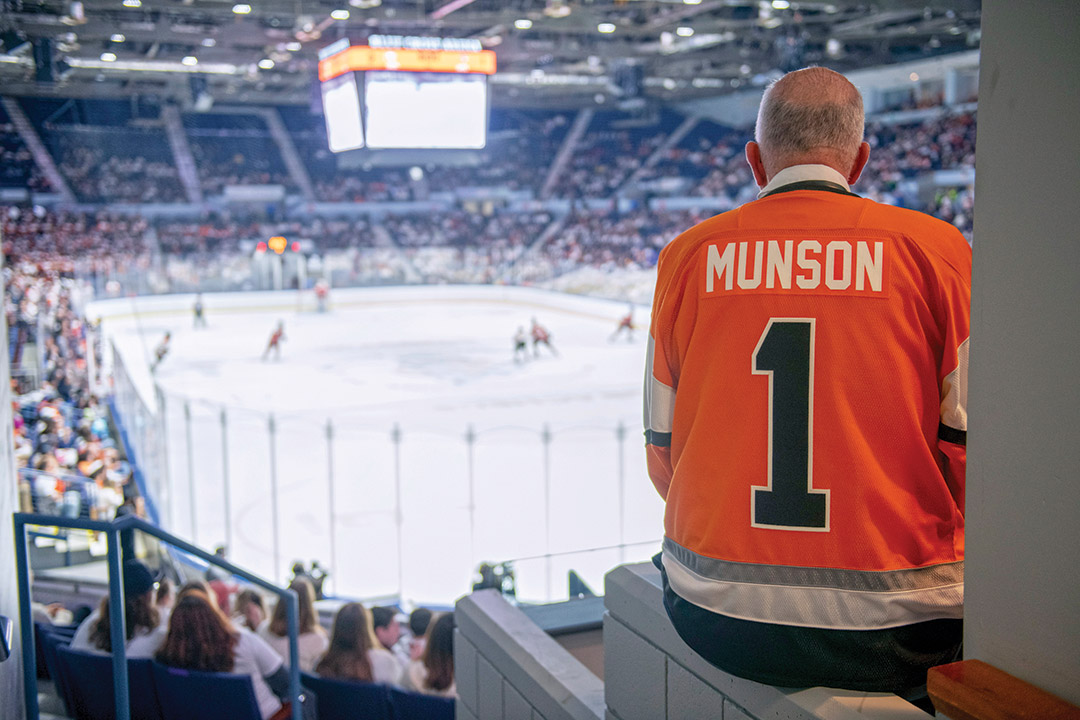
(90, 681)
(48, 643)
(347, 699)
(195, 695)
(414, 706)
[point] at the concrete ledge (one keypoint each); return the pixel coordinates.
(653, 675)
(508, 667)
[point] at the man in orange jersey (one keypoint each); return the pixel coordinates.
(805, 413)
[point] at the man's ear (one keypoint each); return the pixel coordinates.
(860, 162)
(753, 158)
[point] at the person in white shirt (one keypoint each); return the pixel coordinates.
(433, 674)
(355, 653)
(388, 632)
(312, 640)
(144, 631)
(201, 638)
(249, 611)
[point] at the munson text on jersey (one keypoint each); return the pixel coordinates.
(816, 266)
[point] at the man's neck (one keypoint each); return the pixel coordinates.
(802, 173)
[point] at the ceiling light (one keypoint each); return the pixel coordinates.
(606, 27)
(523, 24)
(266, 64)
(670, 84)
(913, 77)
(293, 46)
(241, 8)
(209, 42)
(781, 4)
(684, 31)
(190, 60)
(340, 14)
(133, 3)
(117, 37)
(158, 66)
(692, 2)
(108, 57)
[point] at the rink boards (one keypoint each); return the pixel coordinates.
(436, 435)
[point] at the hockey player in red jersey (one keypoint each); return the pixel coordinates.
(627, 324)
(275, 341)
(322, 295)
(540, 335)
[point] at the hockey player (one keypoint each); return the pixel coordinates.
(541, 335)
(275, 341)
(160, 352)
(197, 309)
(627, 324)
(521, 350)
(322, 295)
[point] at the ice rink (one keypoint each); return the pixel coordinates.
(443, 451)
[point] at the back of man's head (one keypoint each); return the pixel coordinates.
(419, 620)
(813, 115)
(381, 616)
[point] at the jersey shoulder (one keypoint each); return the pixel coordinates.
(932, 235)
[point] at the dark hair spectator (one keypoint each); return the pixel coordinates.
(433, 674)
(355, 653)
(311, 637)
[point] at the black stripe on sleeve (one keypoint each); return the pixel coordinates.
(657, 439)
(951, 435)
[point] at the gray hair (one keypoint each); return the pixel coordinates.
(826, 112)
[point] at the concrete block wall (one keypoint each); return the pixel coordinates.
(651, 674)
(507, 667)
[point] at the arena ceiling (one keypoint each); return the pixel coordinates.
(550, 52)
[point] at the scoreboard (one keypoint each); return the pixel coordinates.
(406, 92)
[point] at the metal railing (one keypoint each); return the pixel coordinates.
(112, 530)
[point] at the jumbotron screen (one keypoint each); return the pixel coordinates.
(425, 110)
(414, 93)
(341, 106)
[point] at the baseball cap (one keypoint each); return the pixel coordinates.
(137, 578)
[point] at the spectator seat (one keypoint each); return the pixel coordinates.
(194, 695)
(90, 679)
(48, 642)
(347, 700)
(414, 706)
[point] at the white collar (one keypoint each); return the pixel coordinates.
(802, 173)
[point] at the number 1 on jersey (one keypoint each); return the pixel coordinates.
(785, 352)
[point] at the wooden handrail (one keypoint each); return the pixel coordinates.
(975, 690)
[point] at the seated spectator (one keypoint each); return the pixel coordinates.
(318, 574)
(52, 614)
(355, 653)
(144, 630)
(311, 638)
(198, 585)
(419, 619)
(201, 638)
(433, 674)
(166, 596)
(388, 632)
(250, 611)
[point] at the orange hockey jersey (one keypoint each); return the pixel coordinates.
(805, 414)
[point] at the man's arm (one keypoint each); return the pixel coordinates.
(661, 378)
(659, 414)
(952, 430)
